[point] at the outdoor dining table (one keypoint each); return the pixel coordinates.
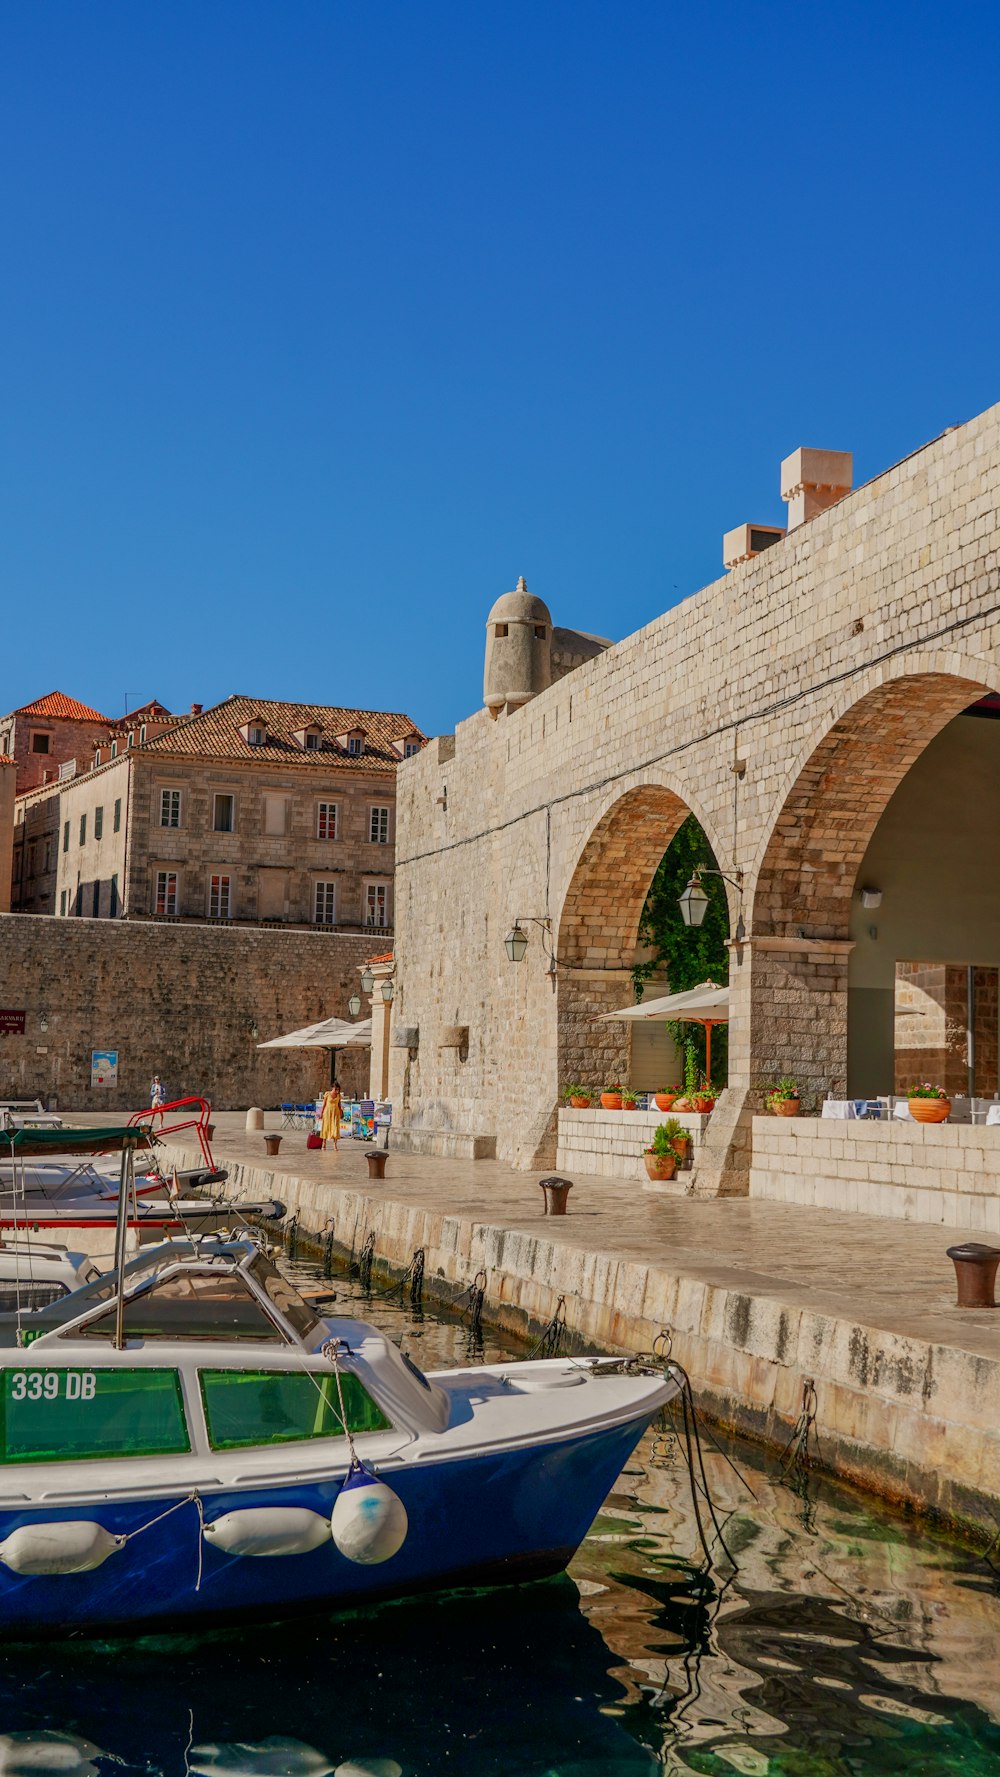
(849, 1109)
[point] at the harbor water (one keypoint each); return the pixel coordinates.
(847, 1641)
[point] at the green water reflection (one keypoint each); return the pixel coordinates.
(850, 1642)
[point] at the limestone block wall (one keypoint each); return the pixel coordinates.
(610, 1144)
(822, 667)
(947, 1173)
(178, 1001)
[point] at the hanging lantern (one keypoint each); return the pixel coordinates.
(693, 902)
(387, 991)
(516, 942)
(367, 979)
(354, 1004)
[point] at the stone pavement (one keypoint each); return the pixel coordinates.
(885, 1273)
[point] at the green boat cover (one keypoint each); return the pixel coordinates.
(37, 1144)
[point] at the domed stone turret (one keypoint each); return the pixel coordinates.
(518, 650)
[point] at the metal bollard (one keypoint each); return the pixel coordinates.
(376, 1158)
(975, 1273)
(556, 1192)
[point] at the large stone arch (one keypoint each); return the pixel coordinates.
(597, 933)
(796, 958)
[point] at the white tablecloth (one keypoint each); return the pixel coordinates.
(847, 1109)
(993, 1114)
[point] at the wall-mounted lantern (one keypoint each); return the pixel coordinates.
(367, 979)
(387, 990)
(354, 1004)
(693, 903)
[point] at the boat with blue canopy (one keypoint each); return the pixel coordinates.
(190, 1439)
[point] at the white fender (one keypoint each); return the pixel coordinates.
(369, 1767)
(368, 1522)
(268, 1530)
(76, 1546)
(48, 1750)
(275, 1756)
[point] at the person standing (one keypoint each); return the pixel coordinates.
(157, 1097)
(329, 1123)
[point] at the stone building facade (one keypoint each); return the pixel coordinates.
(786, 706)
(52, 733)
(252, 811)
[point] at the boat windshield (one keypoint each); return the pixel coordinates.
(189, 1305)
(300, 1317)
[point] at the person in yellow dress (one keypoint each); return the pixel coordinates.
(329, 1122)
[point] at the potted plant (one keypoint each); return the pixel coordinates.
(578, 1096)
(703, 1098)
(928, 1104)
(629, 1100)
(782, 1099)
(665, 1100)
(611, 1097)
(660, 1157)
(679, 1138)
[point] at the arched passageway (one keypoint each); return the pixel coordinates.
(598, 934)
(794, 986)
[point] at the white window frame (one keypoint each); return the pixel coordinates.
(220, 894)
(168, 804)
(372, 891)
(378, 823)
(332, 825)
(165, 877)
(355, 745)
(410, 747)
(325, 900)
(217, 795)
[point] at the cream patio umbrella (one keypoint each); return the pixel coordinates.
(707, 1004)
(329, 1033)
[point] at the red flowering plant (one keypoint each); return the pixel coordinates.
(926, 1091)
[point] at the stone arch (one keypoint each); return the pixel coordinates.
(791, 993)
(596, 938)
(805, 876)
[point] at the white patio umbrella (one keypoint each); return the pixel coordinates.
(707, 1004)
(329, 1033)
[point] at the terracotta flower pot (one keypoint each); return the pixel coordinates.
(660, 1166)
(665, 1100)
(682, 1143)
(929, 1110)
(785, 1107)
(580, 1104)
(629, 1105)
(611, 1101)
(704, 1105)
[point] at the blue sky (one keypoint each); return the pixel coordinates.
(320, 323)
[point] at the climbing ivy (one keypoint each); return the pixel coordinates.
(688, 954)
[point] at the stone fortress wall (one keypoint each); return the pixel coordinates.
(180, 1001)
(782, 705)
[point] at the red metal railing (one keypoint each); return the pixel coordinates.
(198, 1123)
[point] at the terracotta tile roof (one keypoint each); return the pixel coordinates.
(215, 734)
(56, 703)
(384, 956)
(5, 759)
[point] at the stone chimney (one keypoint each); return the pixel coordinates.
(812, 480)
(749, 540)
(196, 709)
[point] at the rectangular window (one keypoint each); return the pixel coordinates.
(39, 743)
(83, 829)
(410, 747)
(376, 904)
(246, 1407)
(98, 823)
(170, 808)
(116, 823)
(62, 904)
(326, 820)
(113, 906)
(378, 826)
(276, 816)
(325, 913)
(219, 897)
(64, 1415)
(224, 817)
(32, 856)
(97, 901)
(166, 892)
(312, 742)
(355, 745)
(65, 836)
(78, 905)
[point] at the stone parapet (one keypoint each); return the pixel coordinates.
(610, 1144)
(946, 1173)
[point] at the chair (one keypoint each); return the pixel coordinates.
(304, 1115)
(288, 1116)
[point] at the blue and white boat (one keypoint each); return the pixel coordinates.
(197, 1443)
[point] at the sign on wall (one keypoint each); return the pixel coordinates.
(11, 1023)
(104, 1067)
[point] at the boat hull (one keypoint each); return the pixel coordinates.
(487, 1519)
